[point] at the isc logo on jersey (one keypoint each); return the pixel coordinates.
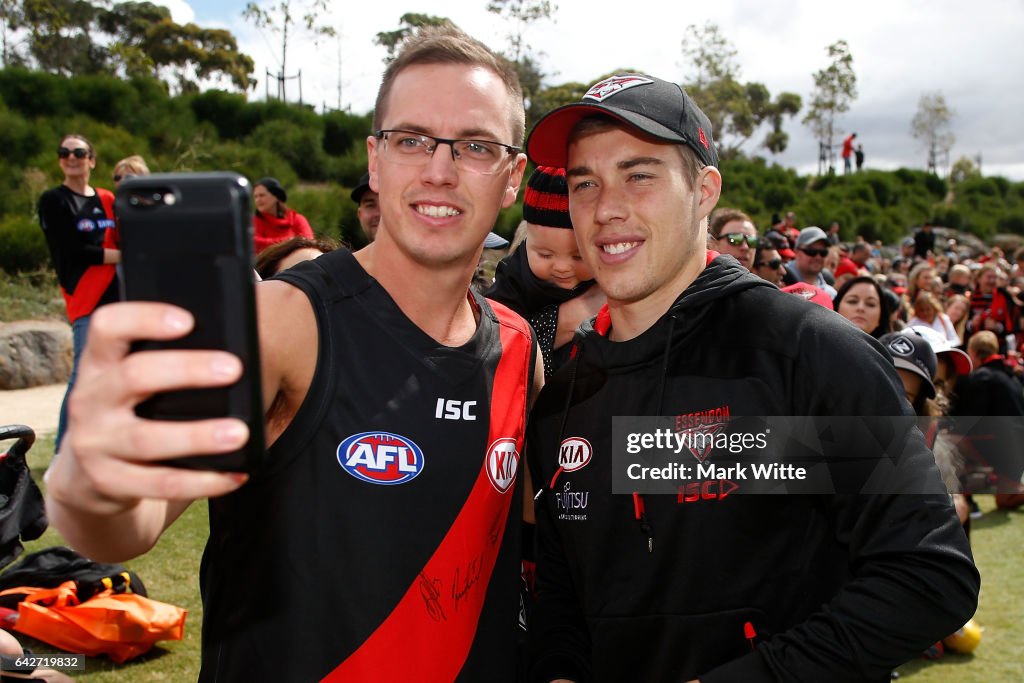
(502, 464)
(381, 458)
(574, 454)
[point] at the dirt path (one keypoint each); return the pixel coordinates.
(38, 407)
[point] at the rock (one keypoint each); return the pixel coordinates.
(34, 353)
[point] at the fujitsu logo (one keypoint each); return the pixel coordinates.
(571, 504)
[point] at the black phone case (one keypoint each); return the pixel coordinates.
(186, 239)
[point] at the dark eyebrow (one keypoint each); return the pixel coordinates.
(639, 161)
(622, 165)
(465, 134)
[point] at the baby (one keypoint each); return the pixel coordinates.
(545, 280)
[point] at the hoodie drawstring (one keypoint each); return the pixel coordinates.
(639, 509)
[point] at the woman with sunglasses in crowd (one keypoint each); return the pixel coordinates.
(731, 232)
(75, 218)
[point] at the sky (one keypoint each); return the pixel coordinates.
(970, 52)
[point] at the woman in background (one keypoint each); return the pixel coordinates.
(274, 221)
(862, 302)
(75, 217)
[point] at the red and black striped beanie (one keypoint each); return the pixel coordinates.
(547, 198)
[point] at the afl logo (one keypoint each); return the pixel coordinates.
(381, 458)
(502, 464)
(86, 225)
(574, 454)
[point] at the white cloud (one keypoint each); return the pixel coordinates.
(971, 52)
(181, 11)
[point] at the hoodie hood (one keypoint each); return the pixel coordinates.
(722, 277)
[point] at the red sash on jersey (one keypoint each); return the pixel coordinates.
(428, 635)
(96, 279)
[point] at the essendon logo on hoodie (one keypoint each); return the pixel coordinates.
(700, 428)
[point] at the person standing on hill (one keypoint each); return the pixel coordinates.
(848, 153)
(75, 218)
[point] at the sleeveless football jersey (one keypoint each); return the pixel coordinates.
(381, 543)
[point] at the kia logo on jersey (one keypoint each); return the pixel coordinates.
(381, 458)
(574, 453)
(502, 464)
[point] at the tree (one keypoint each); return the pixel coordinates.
(132, 39)
(521, 13)
(736, 110)
(963, 169)
(930, 126)
(280, 20)
(12, 16)
(408, 24)
(835, 87)
(147, 42)
(60, 36)
(553, 97)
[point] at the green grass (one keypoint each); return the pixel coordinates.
(31, 295)
(171, 570)
(997, 540)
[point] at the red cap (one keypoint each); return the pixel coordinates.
(811, 293)
(846, 267)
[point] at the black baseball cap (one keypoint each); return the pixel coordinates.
(658, 108)
(910, 351)
(363, 186)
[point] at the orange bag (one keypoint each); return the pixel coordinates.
(119, 625)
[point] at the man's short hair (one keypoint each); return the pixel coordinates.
(983, 344)
(599, 123)
(720, 217)
(448, 44)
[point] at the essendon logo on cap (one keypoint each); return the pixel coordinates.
(609, 86)
(703, 139)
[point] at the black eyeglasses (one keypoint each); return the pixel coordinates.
(815, 252)
(78, 152)
(738, 238)
(118, 177)
(773, 264)
(415, 149)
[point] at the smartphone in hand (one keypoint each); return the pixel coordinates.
(186, 239)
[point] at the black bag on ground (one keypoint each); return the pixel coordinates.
(53, 566)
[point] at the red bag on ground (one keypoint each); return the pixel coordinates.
(119, 625)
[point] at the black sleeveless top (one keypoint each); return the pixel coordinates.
(381, 543)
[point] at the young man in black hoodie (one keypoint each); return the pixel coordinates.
(746, 587)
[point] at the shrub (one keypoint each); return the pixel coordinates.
(1013, 222)
(343, 132)
(22, 244)
(21, 139)
(34, 93)
(298, 145)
